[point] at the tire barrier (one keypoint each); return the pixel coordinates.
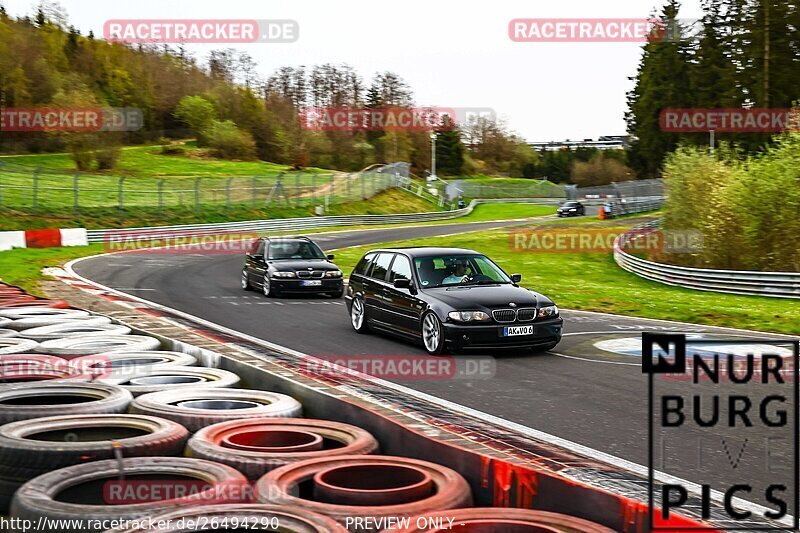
(15, 345)
(170, 378)
(30, 448)
(6, 333)
(499, 520)
(18, 368)
(365, 486)
(75, 347)
(21, 324)
(245, 517)
(66, 331)
(256, 446)
(127, 489)
(126, 363)
(4, 322)
(41, 312)
(22, 401)
(198, 407)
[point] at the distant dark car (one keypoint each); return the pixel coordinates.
(290, 264)
(571, 209)
(449, 299)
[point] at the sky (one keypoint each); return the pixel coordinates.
(453, 53)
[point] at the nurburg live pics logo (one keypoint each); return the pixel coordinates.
(732, 425)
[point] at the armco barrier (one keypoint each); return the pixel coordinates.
(745, 282)
(294, 224)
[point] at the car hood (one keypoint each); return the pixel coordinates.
(488, 296)
(302, 264)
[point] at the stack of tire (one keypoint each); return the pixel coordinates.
(99, 425)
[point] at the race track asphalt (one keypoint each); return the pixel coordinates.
(592, 395)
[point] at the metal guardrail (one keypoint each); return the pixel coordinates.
(743, 282)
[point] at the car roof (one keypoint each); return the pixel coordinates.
(286, 238)
(426, 251)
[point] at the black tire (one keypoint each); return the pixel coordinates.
(77, 439)
(172, 404)
(338, 294)
(37, 498)
(23, 401)
(246, 285)
(171, 378)
(358, 307)
(267, 289)
(430, 323)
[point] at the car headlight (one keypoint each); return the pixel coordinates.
(284, 275)
(333, 274)
(548, 311)
(467, 316)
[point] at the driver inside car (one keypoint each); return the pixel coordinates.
(458, 275)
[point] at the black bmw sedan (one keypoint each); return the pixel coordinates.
(450, 299)
(290, 264)
(573, 208)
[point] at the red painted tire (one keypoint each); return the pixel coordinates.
(499, 520)
(255, 517)
(258, 445)
(56, 304)
(392, 486)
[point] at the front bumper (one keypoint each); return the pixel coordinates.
(473, 337)
(296, 285)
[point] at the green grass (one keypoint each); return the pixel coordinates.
(24, 266)
(387, 202)
(594, 282)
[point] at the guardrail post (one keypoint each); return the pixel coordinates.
(120, 196)
(228, 194)
(161, 197)
(75, 190)
(36, 188)
(197, 195)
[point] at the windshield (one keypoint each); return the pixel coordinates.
(571, 204)
(294, 250)
(451, 270)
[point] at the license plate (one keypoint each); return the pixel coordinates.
(515, 331)
(311, 282)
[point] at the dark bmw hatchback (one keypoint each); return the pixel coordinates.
(290, 264)
(449, 299)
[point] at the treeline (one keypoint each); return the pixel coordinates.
(232, 111)
(746, 206)
(746, 54)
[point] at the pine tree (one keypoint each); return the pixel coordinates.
(662, 82)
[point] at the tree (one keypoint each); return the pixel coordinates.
(197, 113)
(449, 152)
(599, 170)
(229, 142)
(661, 83)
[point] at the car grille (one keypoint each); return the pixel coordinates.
(504, 315)
(309, 274)
(526, 314)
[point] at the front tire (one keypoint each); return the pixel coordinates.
(267, 288)
(358, 315)
(432, 334)
(246, 281)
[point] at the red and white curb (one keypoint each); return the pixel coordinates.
(43, 238)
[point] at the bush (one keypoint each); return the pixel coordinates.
(599, 170)
(229, 142)
(173, 150)
(746, 207)
(107, 157)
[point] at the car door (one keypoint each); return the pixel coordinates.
(402, 307)
(375, 287)
(257, 263)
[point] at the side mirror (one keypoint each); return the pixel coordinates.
(402, 283)
(329, 257)
(258, 257)
(516, 278)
